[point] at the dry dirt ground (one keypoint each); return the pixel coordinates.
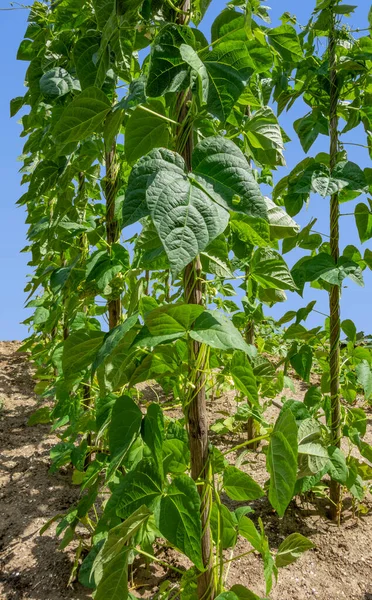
(32, 567)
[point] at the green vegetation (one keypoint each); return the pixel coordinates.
(180, 144)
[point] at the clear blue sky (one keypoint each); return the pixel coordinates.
(356, 301)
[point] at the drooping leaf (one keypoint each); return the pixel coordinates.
(125, 425)
(110, 567)
(144, 131)
(243, 376)
(281, 461)
(364, 374)
(179, 518)
(79, 350)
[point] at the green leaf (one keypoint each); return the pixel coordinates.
(264, 138)
(281, 461)
(270, 270)
(243, 376)
(185, 216)
(179, 518)
(141, 486)
(302, 362)
(248, 530)
(110, 567)
(281, 224)
(224, 526)
(199, 71)
(112, 339)
(41, 415)
(229, 68)
(250, 231)
(285, 40)
(199, 8)
(240, 486)
(135, 205)
(90, 71)
(144, 131)
(168, 72)
(291, 549)
(337, 468)
(82, 116)
(79, 350)
(348, 327)
(309, 127)
(58, 82)
(126, 419)
(364, 375)
(172, 318)
(363, 219)
(153, 433)
(222, 170)
(216, 330)
(242, 593)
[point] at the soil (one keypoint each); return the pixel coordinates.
(33, 568)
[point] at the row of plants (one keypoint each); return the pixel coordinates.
(147, 148)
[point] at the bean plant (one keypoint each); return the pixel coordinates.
(148, 149)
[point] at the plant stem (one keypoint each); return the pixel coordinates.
(334, 295)
(197, 418)
(112, 229)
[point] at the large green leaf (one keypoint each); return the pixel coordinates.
(281, 461)
(79, 350)
(243, 376)
(141, 486)
(281, 224)
(240, 486)
(185, 216)
(222, 170)
(168, 72)
(143, 132)
(285, 40)
(126, 419)
(110, 567)
(243, 593)
(216, 330)
(291, 549)
(135, 205)
(179, 518)
(90, 71)
(270, 270)
(82, 116)
(172, 318)
(112, 339)
(229, 68)
(249, 231)
(264, 137)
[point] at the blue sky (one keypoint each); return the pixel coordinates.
(356, 301)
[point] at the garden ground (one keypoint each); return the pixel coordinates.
(32, 567)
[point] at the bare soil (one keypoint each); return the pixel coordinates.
(32, 567)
